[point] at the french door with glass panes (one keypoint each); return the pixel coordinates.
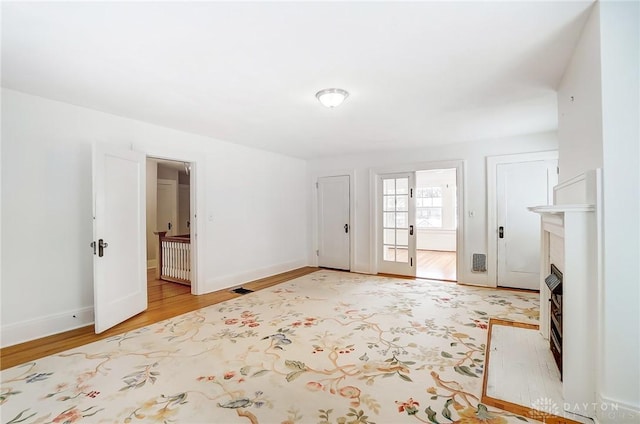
(397, 249)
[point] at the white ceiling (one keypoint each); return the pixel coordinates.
(418, 73)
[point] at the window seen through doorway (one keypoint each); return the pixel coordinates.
(429, 207)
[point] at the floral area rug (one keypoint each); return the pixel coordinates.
(329, 347)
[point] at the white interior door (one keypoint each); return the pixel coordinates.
(184, 209)
(119, 217)
(520, 185)
(397, 250)
(167, 215)
(334, 227)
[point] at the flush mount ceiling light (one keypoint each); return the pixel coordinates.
(332, 97)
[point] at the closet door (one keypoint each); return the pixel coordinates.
(334, 228)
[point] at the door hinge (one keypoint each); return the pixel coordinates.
(317, 185)
(411, 261)
(317, 253)
(411, 193)
(558, 170)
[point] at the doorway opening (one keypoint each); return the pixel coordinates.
(419, 223)
(436, 224)
(168, 229)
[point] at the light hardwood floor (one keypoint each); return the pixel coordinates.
(166, 300)
(436, 265)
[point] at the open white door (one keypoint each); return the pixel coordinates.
(119, 231)
(333, 222)
(520, 185)
(397, 251)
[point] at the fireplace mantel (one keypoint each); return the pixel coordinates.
(561, 209)
(569, 241)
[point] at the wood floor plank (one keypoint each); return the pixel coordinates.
(436, 265)
(166, 300)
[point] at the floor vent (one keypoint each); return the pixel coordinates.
(241, 290)
(479, 262)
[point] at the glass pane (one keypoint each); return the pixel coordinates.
(402, 203)
(389, 186)
(402, 220)
(402, 237)
(437, 201)
(389, 253)
(389, 203)
(389, 236)
(389, 220)
(402, 186)
(402, 255)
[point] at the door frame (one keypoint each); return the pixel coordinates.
(315, 224)
(376, 215)
(492, 202)
(196, 174)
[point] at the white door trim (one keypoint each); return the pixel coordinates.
(353, 227)
(196, 174)
(375, 215)
(492, 214)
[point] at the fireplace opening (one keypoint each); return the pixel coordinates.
(554, 282)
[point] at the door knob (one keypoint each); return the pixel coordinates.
(101, 246)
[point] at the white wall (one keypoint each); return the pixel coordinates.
(579, 106)
(600, 129)
(251, 208)
(620, 44)
(475, 237)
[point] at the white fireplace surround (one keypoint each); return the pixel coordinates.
(569, 240)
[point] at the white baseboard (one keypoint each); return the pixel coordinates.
(611, 411)
(152, 263)
(32, 329)
(234, 280)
